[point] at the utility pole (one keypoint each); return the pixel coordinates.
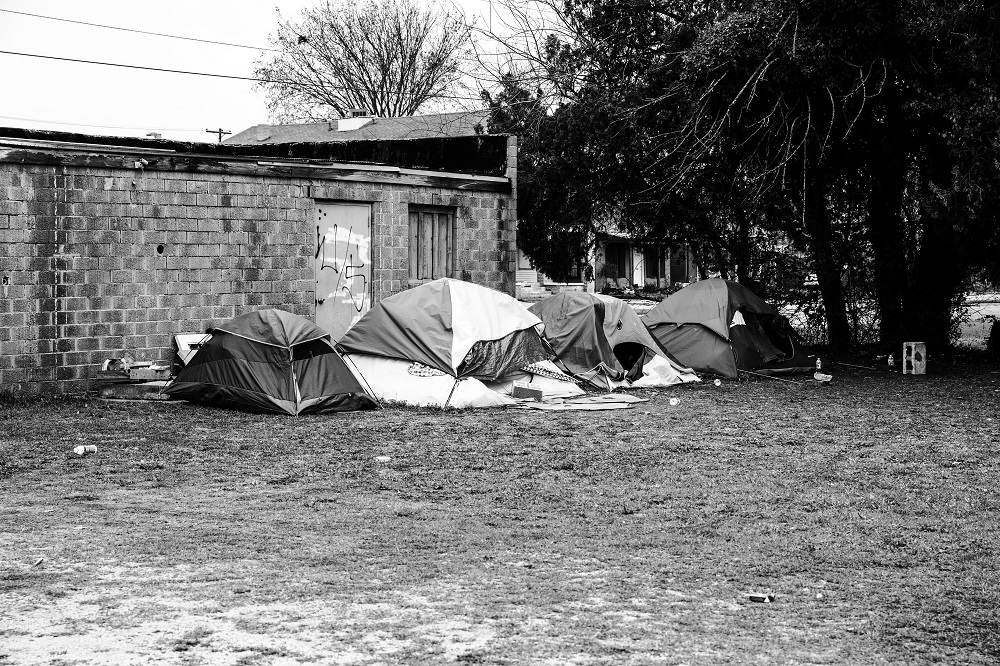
(220, 132)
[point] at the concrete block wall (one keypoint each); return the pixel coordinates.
(97, 263)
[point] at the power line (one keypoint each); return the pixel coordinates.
(151, 69)
(121, 127)
(178, 71)
(141, 32)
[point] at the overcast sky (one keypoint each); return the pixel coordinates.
(94, 99)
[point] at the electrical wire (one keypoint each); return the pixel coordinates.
(116, 64)
(178, 71)
(121, 127)
(141, 32)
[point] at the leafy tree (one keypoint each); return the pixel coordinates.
(388, 57)
(865, 131)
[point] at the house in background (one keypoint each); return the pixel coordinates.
(617, 262)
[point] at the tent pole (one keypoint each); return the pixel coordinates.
(849, 365)
(368, 386)
(779, 379)
(453, 387)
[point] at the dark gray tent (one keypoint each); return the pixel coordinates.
(574, 328)
(274, 362)
(721, 327)
(601, 340)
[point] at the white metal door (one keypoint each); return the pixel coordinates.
(343, 265)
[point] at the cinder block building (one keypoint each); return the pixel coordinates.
(110, 246)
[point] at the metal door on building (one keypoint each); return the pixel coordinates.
(343, 265)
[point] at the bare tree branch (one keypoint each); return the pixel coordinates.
(387, 57)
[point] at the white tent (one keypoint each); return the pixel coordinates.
(447, 343)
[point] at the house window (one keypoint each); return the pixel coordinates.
(651, 262)
(432, 239)
(618, 260)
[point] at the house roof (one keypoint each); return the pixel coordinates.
(367, 128)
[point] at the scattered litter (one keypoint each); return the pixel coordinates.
(38, 561)
(383, 459)
(128, 369)
(587, 403)
(914, 358)
(84, 449)
(570, 407)
(674, 402)
(819, 595)
(607, 397)
(762, 598)
(718, 382)
(527, 390)
(152, 390)
(822, 378)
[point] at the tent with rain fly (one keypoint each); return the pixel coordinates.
(721, 327)
(601, 340)
(447, 343)
(270, 361)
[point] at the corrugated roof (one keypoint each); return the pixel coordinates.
(462, 123)
(482, 155)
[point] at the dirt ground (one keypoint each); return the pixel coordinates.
(868, 508)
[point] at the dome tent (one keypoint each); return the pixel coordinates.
(270, 361)
(646, 362)
(447, 328)
(718, 326)
(602, 341)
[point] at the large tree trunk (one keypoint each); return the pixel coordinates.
(885, 231)
(938, 273)
(940, 263)
(744, 254)
(887, 165)
(828, 274)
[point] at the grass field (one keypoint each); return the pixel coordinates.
(868, 508)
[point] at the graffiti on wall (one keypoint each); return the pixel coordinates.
(345, 252)
(343, 266)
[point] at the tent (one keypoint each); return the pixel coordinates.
(645, 361)
(270, 361)
(601, 340)
(721, 327)
(444, 334)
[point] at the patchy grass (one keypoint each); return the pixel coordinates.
(195, 536)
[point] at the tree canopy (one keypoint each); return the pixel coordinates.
(864, 133)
